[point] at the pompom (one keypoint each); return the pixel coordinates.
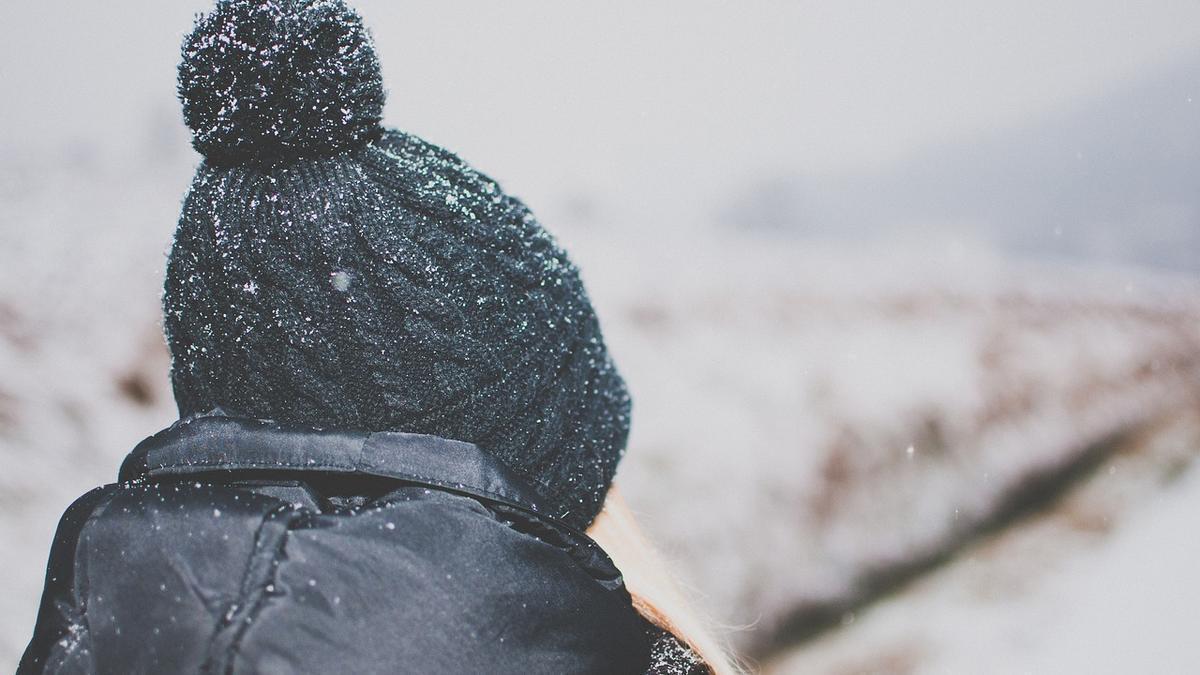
(270, 81)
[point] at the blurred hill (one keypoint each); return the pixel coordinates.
(1114, 178)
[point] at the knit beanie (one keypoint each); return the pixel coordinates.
(331, 273)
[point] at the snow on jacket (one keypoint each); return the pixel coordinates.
(236, 546)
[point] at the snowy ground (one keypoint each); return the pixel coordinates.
(1104, 583)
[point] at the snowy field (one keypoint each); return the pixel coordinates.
(1105, 583)
(813, 424)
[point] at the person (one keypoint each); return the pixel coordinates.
(398, 417)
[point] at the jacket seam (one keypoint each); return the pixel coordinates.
(246, 591)
(463, 488)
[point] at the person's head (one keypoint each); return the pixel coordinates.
(331, 273)
(327, 272)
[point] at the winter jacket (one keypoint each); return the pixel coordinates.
(238, 546)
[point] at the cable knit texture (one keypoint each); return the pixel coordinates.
(371, 280)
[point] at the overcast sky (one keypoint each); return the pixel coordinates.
(642, 110)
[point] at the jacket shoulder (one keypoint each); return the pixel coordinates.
(140, 573)
(191, 575)
(60, 635)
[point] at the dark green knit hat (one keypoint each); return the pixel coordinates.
(330, 273)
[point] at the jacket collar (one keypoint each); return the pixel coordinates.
(216, 442)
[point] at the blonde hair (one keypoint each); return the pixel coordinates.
(655, 593)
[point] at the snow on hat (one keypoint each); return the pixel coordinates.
(331, 273)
